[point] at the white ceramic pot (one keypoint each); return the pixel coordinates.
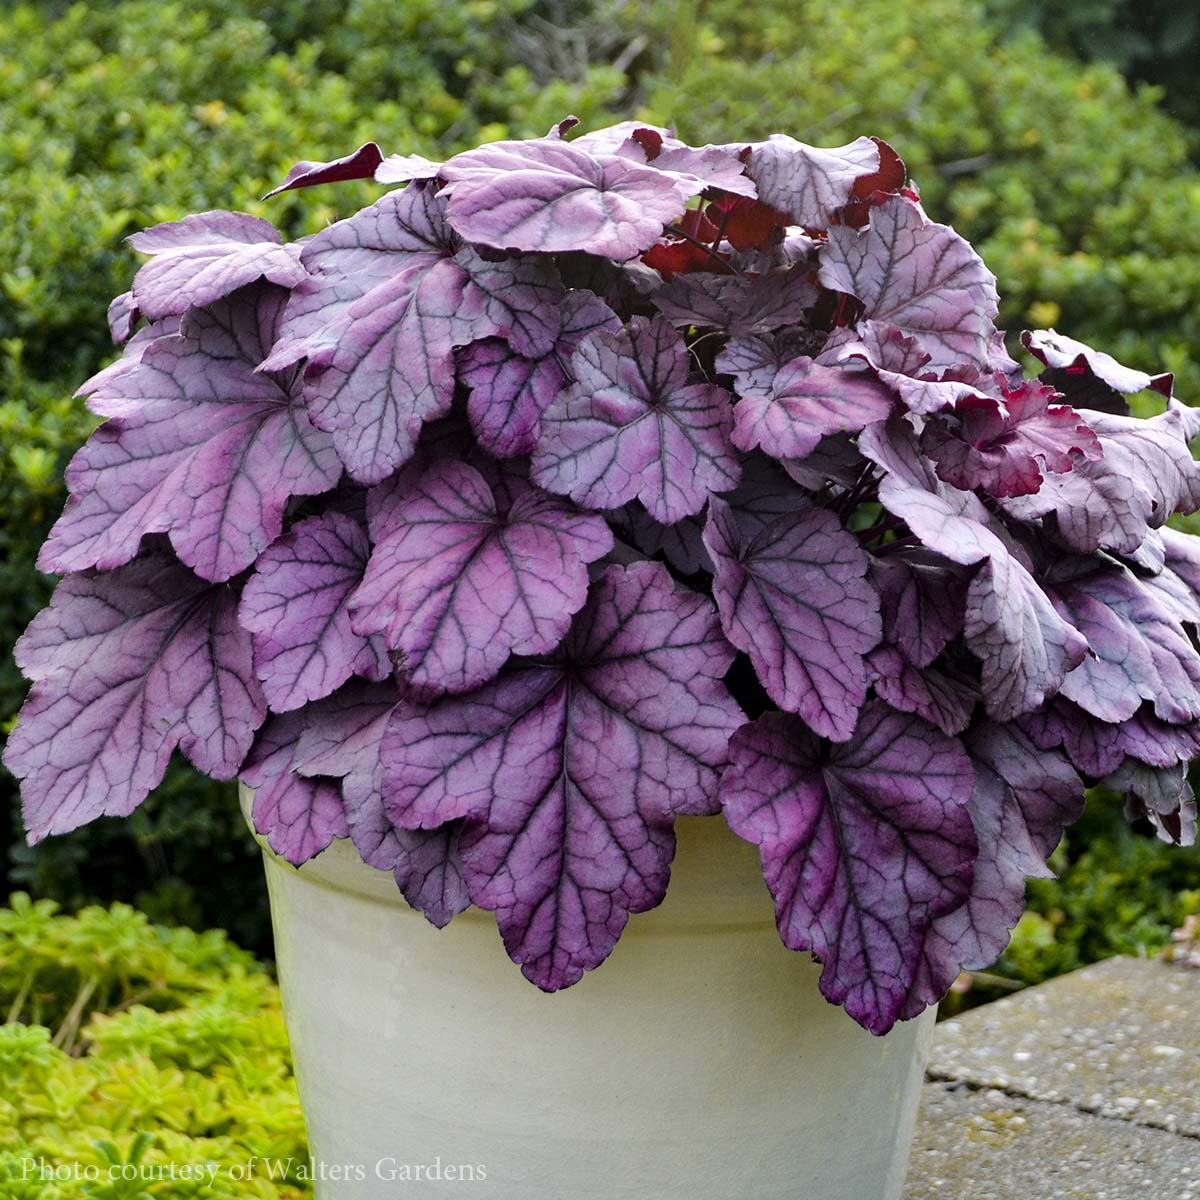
(699, 1063)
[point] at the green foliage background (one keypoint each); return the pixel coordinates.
(1078, 191)
(123, 1043)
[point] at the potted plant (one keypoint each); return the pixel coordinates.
(580, 495)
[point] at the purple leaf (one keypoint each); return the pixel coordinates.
(711, 166)
(1025, 648)
(863, 845)
(406, 168)
(570, 773)
(296, 606)
(206, 257)
(932, 695)
(127, 666)
(1003, 447)
(903, 366)
(804, 403)
(123, 316)
(1146, 474)
(794, 596)
(1022, 801)
(1139, 651)
(393, 368)
(551, 196)
(920, 277)
(755, 359)
(922, 600)
(299, 817)
(351, 259)
(735, 303)
(359, 164)
(510, 392)
(342, 740)
(1160, 795)
(633, 426)
(1088, 374)
(457, 581)
(836, 460)
(809, 183)
(207, 450)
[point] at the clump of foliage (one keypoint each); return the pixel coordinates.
(584, 482)
(126, 1044)
(1078, 194)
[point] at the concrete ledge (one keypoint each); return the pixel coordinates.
(1087, 1087)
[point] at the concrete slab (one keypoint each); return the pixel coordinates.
(1086, 1088)
(1120, 1039)
(986, 1145)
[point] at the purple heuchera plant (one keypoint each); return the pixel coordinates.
(581, 483)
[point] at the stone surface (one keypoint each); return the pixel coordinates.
(985, 1145)
(1087, 1086)
(1121, 1038)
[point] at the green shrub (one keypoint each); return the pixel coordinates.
(130, 1044)
(1152, 41)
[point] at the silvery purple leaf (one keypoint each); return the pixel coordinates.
(458, 581)
(1146, 474)
(123, 315)
(359, 164)
(1003, 447)
(393, 367)
(1177, 583)
(351, 258)
(406, 168)
(804, 403)
(633, 427)
(205, 449)
(737, 304)
(570, 772)
(1023, 799)
(920, 277)
(931, 694)
(903, 366)
(922, 601)
(127, 666)
(1139, 651)
(1161, 795)
(712, 166)
(755, 359)
(809, 183)
(863, 845)
(551, 196)
(299, 817)
(794, 596)
(205, 257)
(342, 740)
(1087, 374)
(1093, 746)
(296, 606)
(510, 391)
(1025, 648)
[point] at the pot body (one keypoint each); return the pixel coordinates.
(699, 1063)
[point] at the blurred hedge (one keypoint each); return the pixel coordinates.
(1077, 191)
(126, 1045)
